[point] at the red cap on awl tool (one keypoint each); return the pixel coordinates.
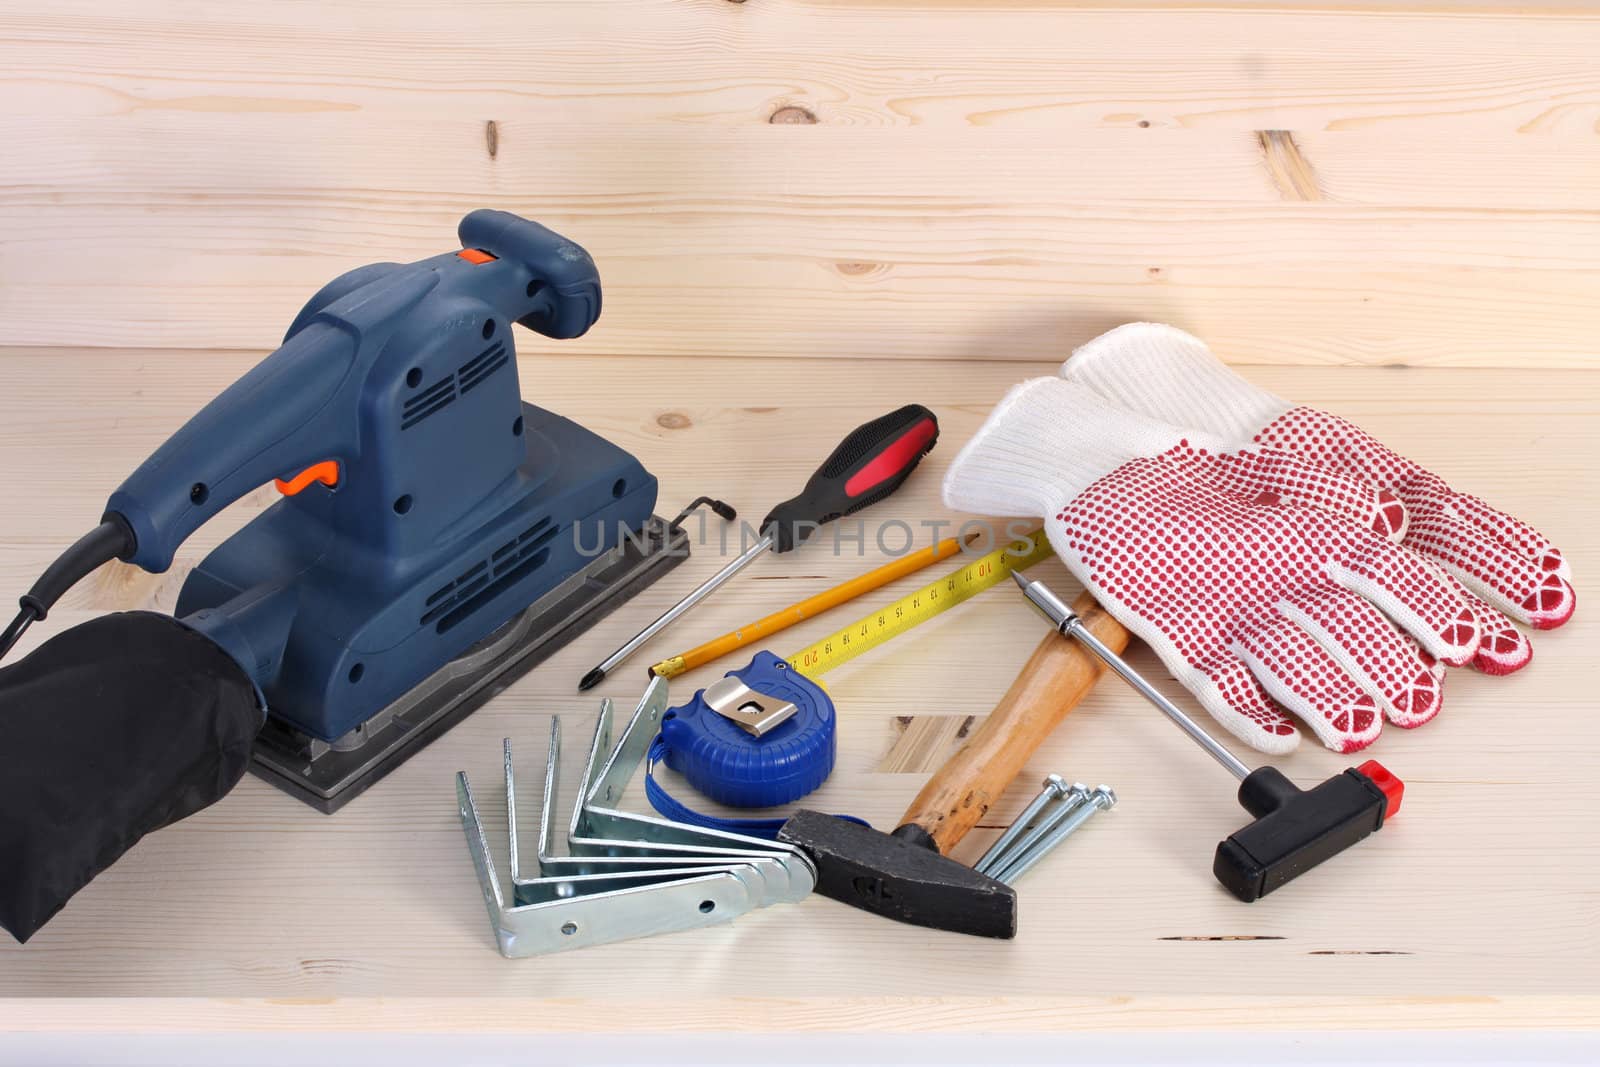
(1393, 788)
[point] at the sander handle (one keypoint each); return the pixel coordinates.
(325, 406)
(298, 407)
(1055, 679)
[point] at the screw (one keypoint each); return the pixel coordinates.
(1070, 801)
(1102, 799)
(1054, 786)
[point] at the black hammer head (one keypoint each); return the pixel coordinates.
(901, 876)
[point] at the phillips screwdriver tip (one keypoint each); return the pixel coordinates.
(592, 679)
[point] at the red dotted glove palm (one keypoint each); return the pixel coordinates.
(1166, 374)
(1260, 580)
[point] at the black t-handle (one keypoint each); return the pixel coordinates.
(1297, 829)
(867, 466)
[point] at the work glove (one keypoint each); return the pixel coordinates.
(1169, 375)
(1263, 582)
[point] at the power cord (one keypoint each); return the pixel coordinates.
(112, 539)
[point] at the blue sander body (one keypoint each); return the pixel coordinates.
(436, 538)
(428, 513)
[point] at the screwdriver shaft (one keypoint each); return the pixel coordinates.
(869, 464)
(705, 589)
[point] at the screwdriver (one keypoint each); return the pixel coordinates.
(867, 466)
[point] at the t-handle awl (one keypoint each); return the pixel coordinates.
(1294, 829)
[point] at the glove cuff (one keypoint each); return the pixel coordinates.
(1047, 441)
(1166, 374)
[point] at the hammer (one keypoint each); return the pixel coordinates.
(906, 875)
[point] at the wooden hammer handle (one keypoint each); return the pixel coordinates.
(1056, 677)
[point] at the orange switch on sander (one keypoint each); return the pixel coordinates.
(326, 472)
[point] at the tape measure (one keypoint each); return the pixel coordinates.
(760, 737)
(765, 735)
(931, 600)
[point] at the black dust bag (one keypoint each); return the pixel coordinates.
(108, 731)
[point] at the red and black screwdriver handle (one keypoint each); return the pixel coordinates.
(1296, 829)
(867, 466)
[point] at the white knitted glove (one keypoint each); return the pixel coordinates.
(1167, 374)
(1259, 579)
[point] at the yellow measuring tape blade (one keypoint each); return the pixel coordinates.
(934, 599)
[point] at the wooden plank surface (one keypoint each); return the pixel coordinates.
(1476, 907)
(786, 185)
(1302, 183)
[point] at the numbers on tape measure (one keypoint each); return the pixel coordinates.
(922, 605)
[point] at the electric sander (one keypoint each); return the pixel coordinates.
(436, 537)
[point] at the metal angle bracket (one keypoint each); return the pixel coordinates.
(555, 867)
(617, 887)
(599, 830)
(599, 908)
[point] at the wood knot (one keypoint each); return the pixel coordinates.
(853, 269)
(491, 137)
(1154, 272)
(793, 115)
(673, 420)
(1144, 124)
